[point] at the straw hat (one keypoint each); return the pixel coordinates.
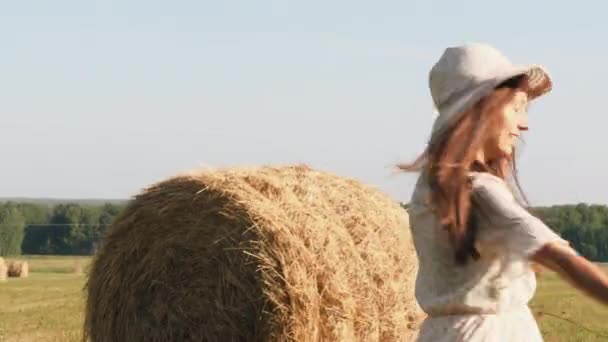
(465, 74)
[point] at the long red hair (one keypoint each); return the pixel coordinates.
(452, 155)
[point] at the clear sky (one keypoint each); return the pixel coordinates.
(101, 98)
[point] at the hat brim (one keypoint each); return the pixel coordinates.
(539, 80)
(539, 83)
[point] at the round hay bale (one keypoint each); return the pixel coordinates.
(18, 269)
(261, 254)
(3, 270)
(78, 268)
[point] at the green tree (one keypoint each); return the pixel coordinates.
(69, 228)
(12, 224)
(35, 213)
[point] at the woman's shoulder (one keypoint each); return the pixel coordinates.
(488, 185)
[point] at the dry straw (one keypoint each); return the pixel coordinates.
(18, 269)
(260, 254)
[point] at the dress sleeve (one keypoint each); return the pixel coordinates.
(503, 223)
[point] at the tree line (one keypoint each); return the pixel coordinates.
(64, 229)
(78, 229)
(585, 226)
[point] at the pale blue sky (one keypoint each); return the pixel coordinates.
(101, 98)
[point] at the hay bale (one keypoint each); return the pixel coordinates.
(78, 269)
(18, 269)
(262, 254)
(3, 270)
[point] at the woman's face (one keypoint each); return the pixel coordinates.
(515, 115)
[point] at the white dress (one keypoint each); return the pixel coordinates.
(486, 299)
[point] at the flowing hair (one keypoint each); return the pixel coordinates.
(450, 157)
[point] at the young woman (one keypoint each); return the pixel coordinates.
(474, 239)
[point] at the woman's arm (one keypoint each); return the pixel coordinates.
(512, 229)
(577, 270)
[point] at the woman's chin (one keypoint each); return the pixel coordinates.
(506, 152)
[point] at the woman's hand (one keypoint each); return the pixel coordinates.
(577, 270)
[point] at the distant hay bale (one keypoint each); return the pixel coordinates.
(18, 269)
(78, 269)
(261, 254)
(3, 270)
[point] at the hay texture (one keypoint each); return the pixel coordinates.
(3, 270)
(18, 269)
(261, 254)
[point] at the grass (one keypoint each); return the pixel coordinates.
(48, 306)
(575, 312)
(55, 264)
